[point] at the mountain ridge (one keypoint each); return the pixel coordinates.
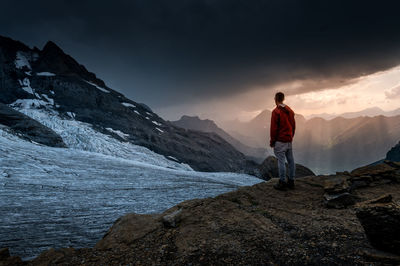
(51, 79)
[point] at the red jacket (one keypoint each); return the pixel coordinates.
(283, 125)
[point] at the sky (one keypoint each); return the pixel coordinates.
(225, 59)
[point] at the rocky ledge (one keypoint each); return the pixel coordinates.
(255, 226)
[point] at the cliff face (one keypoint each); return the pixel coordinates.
(252, 226)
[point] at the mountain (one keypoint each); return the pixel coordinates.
(327, 146)
(255, 132)
(52, 82)
(371, 112)
(394, 153)
(206, 125)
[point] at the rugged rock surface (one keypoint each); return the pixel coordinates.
(339, 189)
(51, 77)
(269, 169)
(28, 128)
(252, 226)
(381, 221)
(394, 153)
(206, 125)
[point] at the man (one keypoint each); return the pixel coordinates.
(283, 127)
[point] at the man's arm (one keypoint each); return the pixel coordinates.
(273, 129)
(294, 125)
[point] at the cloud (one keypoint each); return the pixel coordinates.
(167, 53)
(393, 93)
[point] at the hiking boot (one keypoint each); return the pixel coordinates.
(290, 183)
(281, 185)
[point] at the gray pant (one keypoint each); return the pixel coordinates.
(282, 150)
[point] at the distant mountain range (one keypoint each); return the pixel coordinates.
(327, 146)
(371, 112)
(53, 83)
(206, 125)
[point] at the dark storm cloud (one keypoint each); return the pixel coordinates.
(167, 52)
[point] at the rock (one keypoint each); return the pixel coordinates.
(269, 169)
(339, 201)
(336, 184)
(4, 253)
(29, 128)
(394, 153)
(127, 229)
(381, 257)
(380, 219)
(172, 219)
(7, 260)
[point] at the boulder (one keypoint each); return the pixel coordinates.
(380, 219)
(127, 229)
(336, 184)
(339, 201)
(269, 169)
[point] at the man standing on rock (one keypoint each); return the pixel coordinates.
(283, 126)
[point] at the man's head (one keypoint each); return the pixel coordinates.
(279, 97)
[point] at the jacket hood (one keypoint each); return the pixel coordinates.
(284, 108)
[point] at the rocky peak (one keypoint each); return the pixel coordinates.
(54, 59)
(394, 153)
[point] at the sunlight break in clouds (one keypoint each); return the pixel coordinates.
(381, 89)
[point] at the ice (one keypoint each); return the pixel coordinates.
(21, 60)
(82, 136)
(98, 87)
(50, 100)
(128, 105)
(156, 123)
(119, 133)
(28, 103)
(60, 197)
(45, 74)
(26, 85)
(71, 114)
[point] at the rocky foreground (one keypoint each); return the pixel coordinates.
(259, 226)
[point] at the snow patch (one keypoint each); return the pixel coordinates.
(156, 123)
(28, 103)
(173, 158)
(148, 118)
(50, 100)
(52, 92)
(22, 61)
(26, 85)
(162, 131)
(71, 114)
(128, 105)
(137, 112)
(45, 74)
(150, 114)
(118, 132)
(98, 87)
(81, 136)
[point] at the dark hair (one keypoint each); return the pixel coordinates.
(279, 97)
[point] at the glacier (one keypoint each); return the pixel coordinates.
(61, 197)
